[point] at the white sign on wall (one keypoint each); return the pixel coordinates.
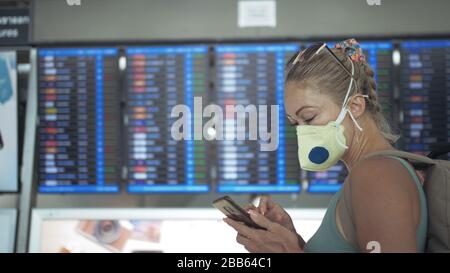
(257, 13)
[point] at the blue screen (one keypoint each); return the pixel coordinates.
(79, 120)
(158, 79)
(253, 75)
(425, 93)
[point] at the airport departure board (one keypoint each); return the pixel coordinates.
(379, 56)
(425, 94)
(79, 120)
(159, 79)
(252, 76)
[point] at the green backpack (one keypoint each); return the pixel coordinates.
(437, 191)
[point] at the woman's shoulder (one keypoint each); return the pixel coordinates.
(384, 203)
(381, 174)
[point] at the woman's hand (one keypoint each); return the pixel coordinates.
(273, 212)
(275, 238)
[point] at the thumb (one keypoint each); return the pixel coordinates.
(261, 220)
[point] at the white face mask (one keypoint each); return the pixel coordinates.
(321, 147)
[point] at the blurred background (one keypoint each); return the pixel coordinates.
(87, 160)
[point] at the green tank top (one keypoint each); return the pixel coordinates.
(328, 238)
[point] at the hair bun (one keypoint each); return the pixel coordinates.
(352, 48)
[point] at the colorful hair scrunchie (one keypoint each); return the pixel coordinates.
(352, 48)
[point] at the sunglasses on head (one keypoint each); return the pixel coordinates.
(317, 49)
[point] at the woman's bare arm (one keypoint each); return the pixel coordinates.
(385, 205)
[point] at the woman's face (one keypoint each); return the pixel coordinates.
(307, 106)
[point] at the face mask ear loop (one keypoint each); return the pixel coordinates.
(354, 120)
(344, 105)
(341, 115)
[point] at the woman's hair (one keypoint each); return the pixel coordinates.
(323, 72)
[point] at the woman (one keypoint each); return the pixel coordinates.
(330, 96)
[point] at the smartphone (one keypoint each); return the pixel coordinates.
(234, 211)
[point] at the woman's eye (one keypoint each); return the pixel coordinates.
(309, 120)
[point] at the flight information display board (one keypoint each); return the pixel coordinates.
(158, 79)
(79, 120)
(425, 94)
(252, 76)
(379, 56)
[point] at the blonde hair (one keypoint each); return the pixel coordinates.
(324, 73)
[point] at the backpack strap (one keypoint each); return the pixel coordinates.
(418, 161)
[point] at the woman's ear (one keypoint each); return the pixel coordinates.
(357, 105)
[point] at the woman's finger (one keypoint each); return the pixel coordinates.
(251, 248)
(241, 239)
(263, 204)
(275, 215)
(248, 244)
(239, 227)
(262, 221)
(250, 207)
